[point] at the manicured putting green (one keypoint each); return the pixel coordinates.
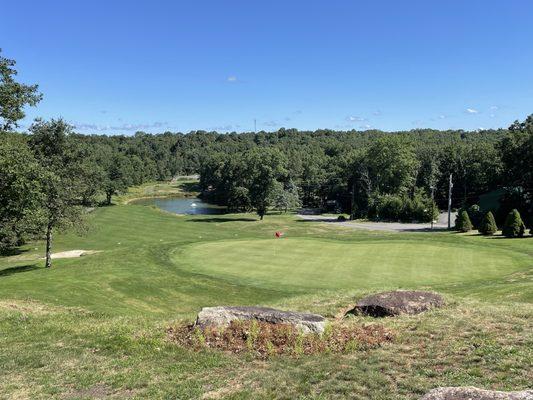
(323, 264)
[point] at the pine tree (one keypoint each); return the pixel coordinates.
(488, 225)
(462, 222)
(514, 226)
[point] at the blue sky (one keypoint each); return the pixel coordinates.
(121, 66)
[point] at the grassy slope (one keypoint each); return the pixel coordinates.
(96, 324)
(178, 188)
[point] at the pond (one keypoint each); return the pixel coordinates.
(181, 205)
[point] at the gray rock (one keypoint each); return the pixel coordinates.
(397, 302)
(471, 393)
(222, 316)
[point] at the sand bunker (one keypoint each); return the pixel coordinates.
(73, 253)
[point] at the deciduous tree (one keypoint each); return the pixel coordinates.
(14, 96)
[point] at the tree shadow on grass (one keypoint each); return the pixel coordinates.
(222, 219)
(189, 186)
(509, 238)
(13, 252)
(429, 230)
(16, 270)
(325, 219)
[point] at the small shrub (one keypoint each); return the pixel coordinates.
(462, 222)
(252, 334)
(487, 225)
(475, 214)
(299, 344)
(514, 226)
(341, 218)
(198, 338)
(270, 349)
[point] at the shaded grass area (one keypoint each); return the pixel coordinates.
(96, 325)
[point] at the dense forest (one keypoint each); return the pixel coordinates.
(50, 173)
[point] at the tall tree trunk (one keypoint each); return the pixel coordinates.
(49, 245)
(108, 198)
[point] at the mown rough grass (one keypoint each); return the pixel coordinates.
(95, 326)
(180, 188)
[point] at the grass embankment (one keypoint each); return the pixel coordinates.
(95, 325)
(181, 187)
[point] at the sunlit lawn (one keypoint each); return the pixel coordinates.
(96, 324)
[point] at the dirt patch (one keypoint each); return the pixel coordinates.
(27, 307)
(472, 393)
(73, 253)
(99, 391)
(233, 387)
(95, 392)
(264, 340)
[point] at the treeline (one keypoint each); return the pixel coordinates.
(384, 176)
(368, 174)
(373, 174)
(50, 174)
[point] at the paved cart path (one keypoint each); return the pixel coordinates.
(441, 224)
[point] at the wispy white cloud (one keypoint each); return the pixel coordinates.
(227, 127)
(494, 108)
(121, 127)
(377, 113)
(471, 111)
(231, 79)
(90, 127)
(366, 126)
(352, 118)
(442, 116)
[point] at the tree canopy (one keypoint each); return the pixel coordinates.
(14, 96)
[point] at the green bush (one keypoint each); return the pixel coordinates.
(475, 214)
(462, 222)
(487, 225)
(403, 208)
(514, 226)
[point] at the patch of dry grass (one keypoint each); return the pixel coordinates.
(264, 340)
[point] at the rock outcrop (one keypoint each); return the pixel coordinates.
(222, 316)
(397, 302)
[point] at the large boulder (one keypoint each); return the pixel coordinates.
(397, 302)
(471, 393)
(222, 316)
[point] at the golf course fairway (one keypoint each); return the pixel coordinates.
(97, 325)
(329, 264)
